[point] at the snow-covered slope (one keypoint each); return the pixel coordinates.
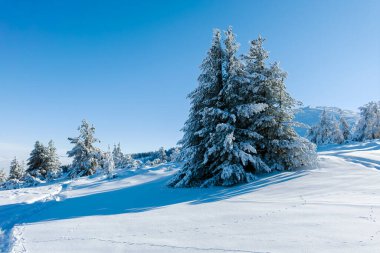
(311, 115)
(332, 208)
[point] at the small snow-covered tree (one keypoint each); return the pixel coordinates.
(52, 164)
(118, 156)
(368, 127)
(162, 155)
(175, 154)
(109, 164)
(344, 128)
(130, 162)
(3, 177)
(36, 160)
(43, 162)
(16, 170)
(122, 160)
(85, 155)
(327, 131)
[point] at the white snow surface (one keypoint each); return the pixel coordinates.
(332, 208)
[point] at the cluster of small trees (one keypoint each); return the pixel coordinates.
(44, 162)
(330, 130)
(88, 159)
(44, 165)
(241, 119)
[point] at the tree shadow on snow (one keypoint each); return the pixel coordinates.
(138, 198)
(347, 152)
(362, 161)
(350, 147)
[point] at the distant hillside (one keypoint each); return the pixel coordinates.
(310, 116)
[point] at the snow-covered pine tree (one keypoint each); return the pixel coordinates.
(344, 128)
(220, 152)
(43, 162)
(3, 177)
(109, 164)
(280, 146)
(122, 160)
(198, 127)
(231, 156)
(175, 154)
(85, 155)
(16, 170)
(368, 127)
(162, 155)
(36, 160)
(327, 131)
(130, 162)
(118, 156)
(52, 163)
(241, 120)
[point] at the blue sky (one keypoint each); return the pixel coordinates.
(127, 66)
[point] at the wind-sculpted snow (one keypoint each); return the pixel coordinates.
(332, 208)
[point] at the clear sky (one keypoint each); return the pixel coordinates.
(127, 66)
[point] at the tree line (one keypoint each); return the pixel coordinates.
(331, 130)
(43, 164)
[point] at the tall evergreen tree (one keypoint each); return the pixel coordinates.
(204, 99)
(280, 146)
(231, 156)
(16, 170)
(240, 120)
(283, 146)
(85, 155)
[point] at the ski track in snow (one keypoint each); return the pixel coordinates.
(150, 245)
(11, 230)
(11, 239)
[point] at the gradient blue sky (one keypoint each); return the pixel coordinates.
(127, 66)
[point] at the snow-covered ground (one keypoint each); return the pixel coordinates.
(332, 208)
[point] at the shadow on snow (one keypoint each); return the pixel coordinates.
(138, 198)
(347, 152)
